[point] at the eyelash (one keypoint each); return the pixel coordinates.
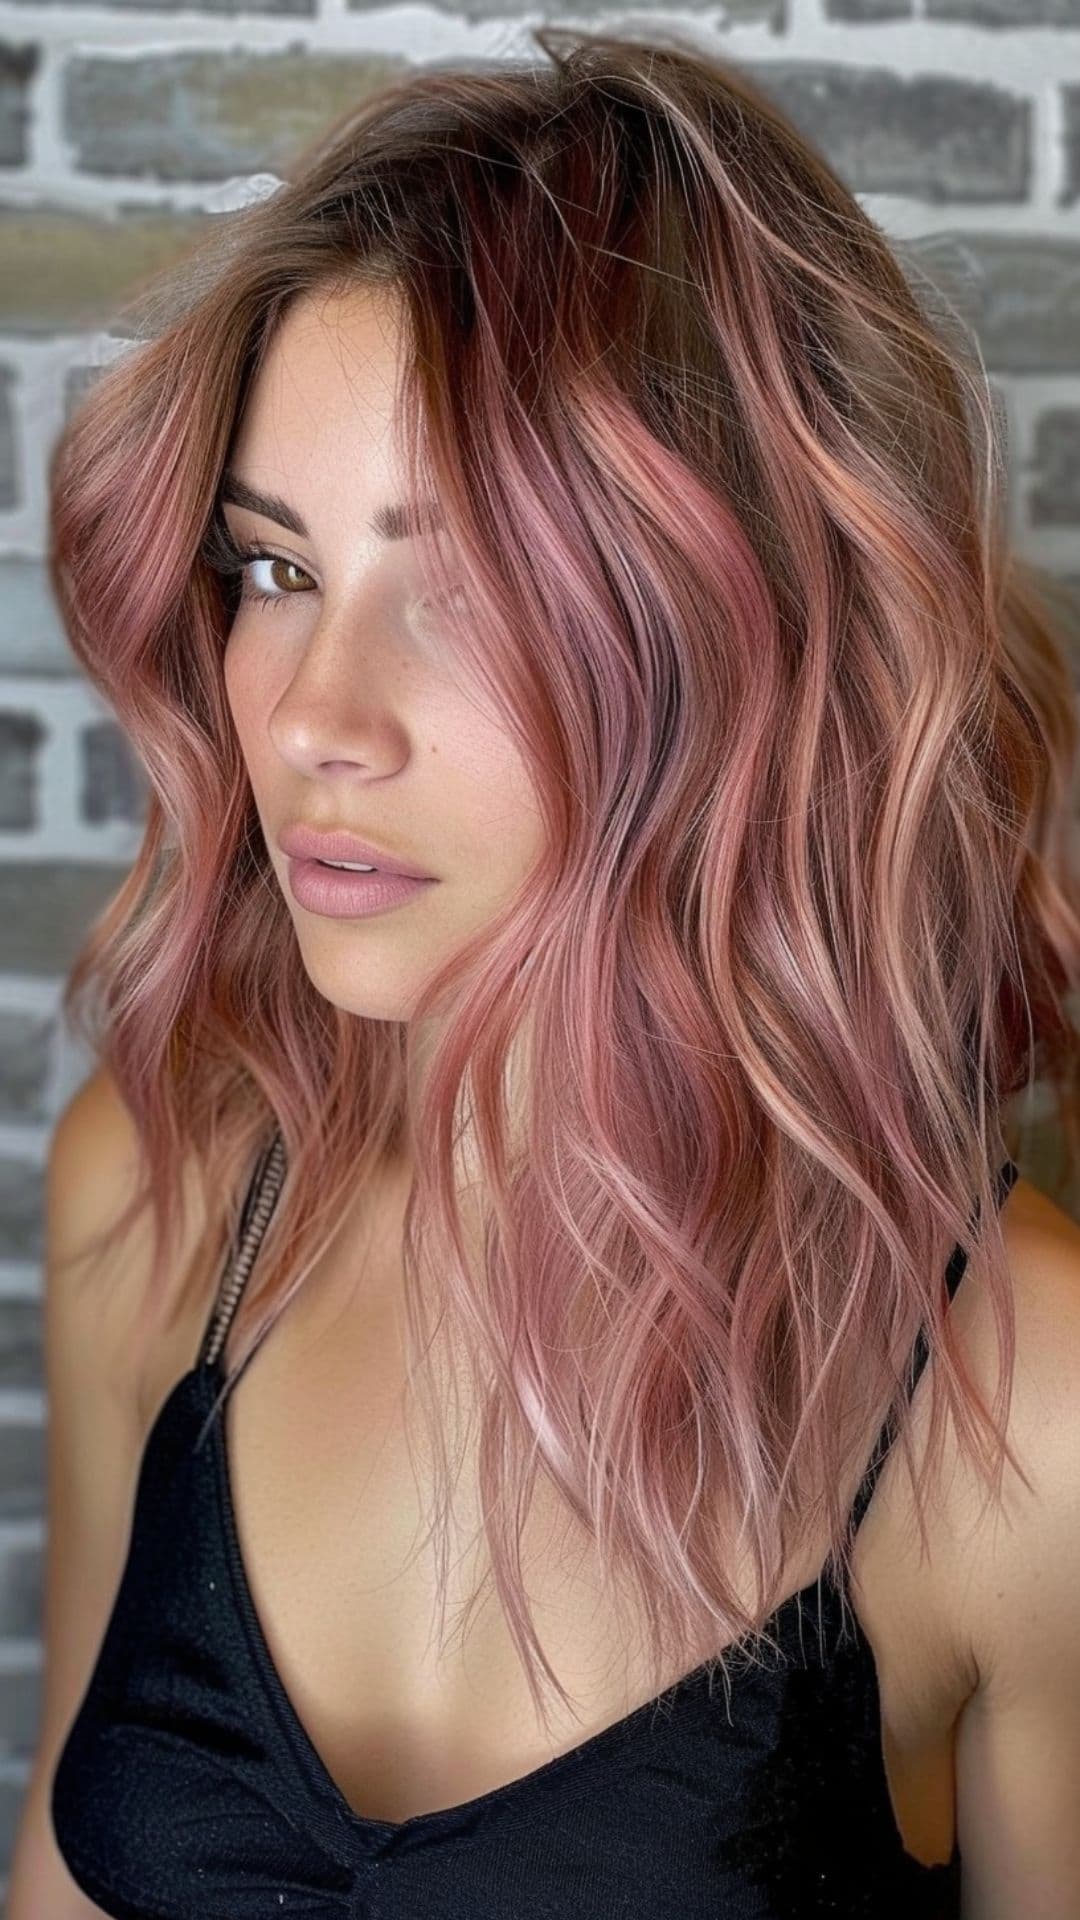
(221, 552)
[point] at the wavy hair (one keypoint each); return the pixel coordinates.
(724, 484)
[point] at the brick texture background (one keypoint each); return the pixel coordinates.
(119, 123)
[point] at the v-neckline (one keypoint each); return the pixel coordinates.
(514, 1794)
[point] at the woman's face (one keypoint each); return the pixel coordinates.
(341, 686)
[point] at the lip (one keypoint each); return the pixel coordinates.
(305, 843)
(338, 895)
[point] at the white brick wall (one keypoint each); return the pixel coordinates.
(957, 117)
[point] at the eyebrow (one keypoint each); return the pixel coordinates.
(396, 520)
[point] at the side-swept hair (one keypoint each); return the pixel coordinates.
(725, 496)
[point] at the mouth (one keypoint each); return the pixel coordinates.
(344, 893)
(350, 852)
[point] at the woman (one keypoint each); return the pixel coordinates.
(558, 498)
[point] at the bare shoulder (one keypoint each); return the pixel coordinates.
(1042, 1246)
(982, 1532)
(100, 1276)
(89, 1181)
(1014, 1577)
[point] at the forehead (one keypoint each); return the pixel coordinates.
(344, 345)
(321, 411)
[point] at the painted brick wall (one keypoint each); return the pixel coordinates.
(118, 126)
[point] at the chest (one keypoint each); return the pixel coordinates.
(329, 1481)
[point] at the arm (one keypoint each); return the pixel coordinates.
(1018, 1744)
(93, 1442)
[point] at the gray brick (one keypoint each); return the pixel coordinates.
(21, 1357)
(770, 13)
(21, 1708)
(1071, 188)
(1020, 293)
(46, 910)
(66, 270)
(114, 786)
(861, 10)
(1007, 13)
(10, 494)
(204, 116)
(18, 65)
(25, 1056)
(32, 636)
(1055, 496)
(12, 1797)
(21, 1570)
(22, 1473)
(934, 138)
(299, 9)
(21, 735)
(21, 1203)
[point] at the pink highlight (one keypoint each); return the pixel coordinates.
(728, 501)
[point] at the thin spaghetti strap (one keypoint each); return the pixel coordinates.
(1007, 1175)
(259, 1203)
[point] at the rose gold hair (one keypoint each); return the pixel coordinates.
(726, 495)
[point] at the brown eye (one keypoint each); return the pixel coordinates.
(221, 552)
(251, 557)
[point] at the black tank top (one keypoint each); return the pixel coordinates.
(188, 1788)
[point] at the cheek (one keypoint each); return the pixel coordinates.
(246, 696)
(502, 800)
(232, 668)
(245, 688)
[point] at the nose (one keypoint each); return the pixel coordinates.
(341, 710)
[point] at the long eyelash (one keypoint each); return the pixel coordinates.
(220, 552)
